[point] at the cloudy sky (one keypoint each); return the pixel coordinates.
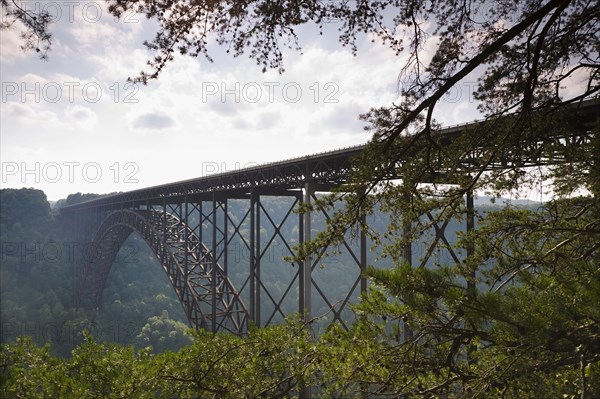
(73, 124)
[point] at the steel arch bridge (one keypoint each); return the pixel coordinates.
(192, 270)
(192, 225)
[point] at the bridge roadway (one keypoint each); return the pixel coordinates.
(173, 219)
(324, 170)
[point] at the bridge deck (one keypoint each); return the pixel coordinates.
(325, 170)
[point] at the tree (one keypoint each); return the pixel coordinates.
(273, 362)
(27, 206)
(95, 370)
(25, 371)
(163, 333)
(528, 330)
(512, 316)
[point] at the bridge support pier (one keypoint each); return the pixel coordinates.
(470, 227)
(306, 268)
(254, 197)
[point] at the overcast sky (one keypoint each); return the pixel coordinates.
(73, 124)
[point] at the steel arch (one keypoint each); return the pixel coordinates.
(172, 242)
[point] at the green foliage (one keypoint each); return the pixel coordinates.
(109, 371)
(40, 253)
(269, 362)
(517, 317)
(28, 207)
(162, 333)
(93, 371)
(28, 371)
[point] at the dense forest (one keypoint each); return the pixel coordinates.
(39, 261)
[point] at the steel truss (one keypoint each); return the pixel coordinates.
(198, 228)
(208, 297)
(194, 242)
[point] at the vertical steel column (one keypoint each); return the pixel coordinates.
(407, 255)
(252, 253)
(470, 227)
(147, 215)
(164, 248)
(363, 284)
(470, 251)
(301, 273)
(200, 221)
(213, 282)
(78, 272)
(363, 258)
(186, 239)
(257, 262)
(225, 238)
(307, 266)
(306, 273)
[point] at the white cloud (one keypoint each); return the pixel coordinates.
(26, 114)
(19, 111)
(33, 78)
(81, 117)
(153, 121)
(344, 119)
(575, 84)
(87, 35)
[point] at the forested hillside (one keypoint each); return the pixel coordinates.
(39, 257)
